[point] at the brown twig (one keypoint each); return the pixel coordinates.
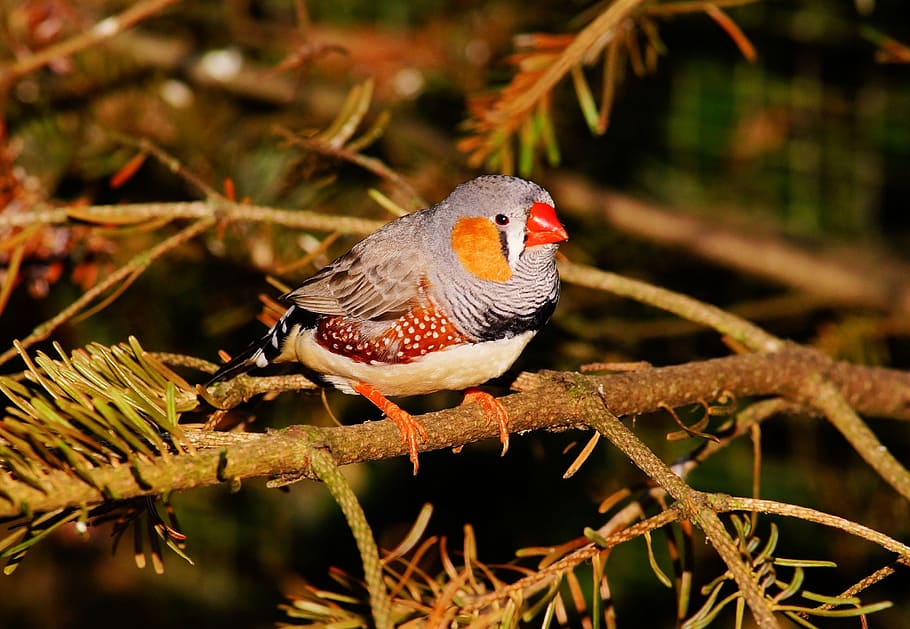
(690, 309)
(124, 273)
(573, 559)
(722, 503)
(507, 115)
(105, 29)
(370, 164)
(222, 209)
(868, 581)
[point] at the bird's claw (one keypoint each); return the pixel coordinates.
(493, 409)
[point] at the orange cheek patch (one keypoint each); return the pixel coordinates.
(477, 245)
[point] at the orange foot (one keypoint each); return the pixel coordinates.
(407, 425)
(493, 408)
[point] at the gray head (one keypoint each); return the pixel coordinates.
(488, 223)
(493, 244)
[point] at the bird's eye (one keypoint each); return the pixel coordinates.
(501, 219)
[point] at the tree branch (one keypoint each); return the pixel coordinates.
(686, 307)
(692, 503)
(549, 400)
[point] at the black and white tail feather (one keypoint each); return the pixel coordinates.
(262, 352)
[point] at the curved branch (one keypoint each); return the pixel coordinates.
(824, 396)
(721, 503)
(686, 307)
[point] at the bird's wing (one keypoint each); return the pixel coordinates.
(380, 278)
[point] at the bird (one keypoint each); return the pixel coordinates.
(444, 298)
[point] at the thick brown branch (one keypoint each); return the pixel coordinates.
(550, 401)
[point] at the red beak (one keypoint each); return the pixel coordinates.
(544, 227)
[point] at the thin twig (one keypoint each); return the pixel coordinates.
(327, 470)
(573, 559)
(144, 145)
(824, 396)
(137, 264)
(105, 29)
(722, 503)
(879, 575)
(370, 164)
(686, 307)
(223, 209)
(513, 108)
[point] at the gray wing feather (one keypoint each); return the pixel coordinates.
(378, 278)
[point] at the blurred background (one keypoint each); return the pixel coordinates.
(806, 147)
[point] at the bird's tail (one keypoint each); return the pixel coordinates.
(263, 351)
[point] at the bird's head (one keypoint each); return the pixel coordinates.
(495, 220)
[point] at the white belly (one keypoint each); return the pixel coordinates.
(454, 368)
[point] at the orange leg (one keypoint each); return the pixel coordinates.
(493, 409)
(407, 425)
